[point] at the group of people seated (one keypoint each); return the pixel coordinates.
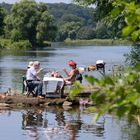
(34, 68)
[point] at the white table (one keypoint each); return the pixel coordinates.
(50, 85)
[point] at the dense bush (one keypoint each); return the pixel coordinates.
(8, 44)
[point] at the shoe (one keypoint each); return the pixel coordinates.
(41, 97)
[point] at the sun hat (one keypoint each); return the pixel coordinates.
(36, 63)
(72, 63)
(30, 64)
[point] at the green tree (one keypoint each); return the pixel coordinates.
(2, 15)
(125, 13)
(86, 33)
(71, 18)
(119, 94)
(68, 30)
(101, 31)
(61, 11)
(133, 58)
(29, 20)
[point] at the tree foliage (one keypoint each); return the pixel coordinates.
(120, 95)
(109, 19)
(68, 15)
(86, 33)
(63, 15)
(123, 13)
(69, 30)
(133, 58)
(117, 94)
(2, 15)
(62, 11)
(28, 20)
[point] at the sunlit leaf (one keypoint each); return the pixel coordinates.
(108, 80)
(132, 6)
(137, 11)
(121, 111)
(78, 88)
(91, 79)
(130, 19)
(115, 12)
(92, 109)
(135, 35)
(137, 86)
(127, 30)
(137, 102)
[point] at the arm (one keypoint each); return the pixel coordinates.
(70, 76)
(35, 73)
(67, 73)
(38, 71)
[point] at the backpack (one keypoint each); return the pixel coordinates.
(79, 77)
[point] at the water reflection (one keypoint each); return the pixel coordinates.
(56, 123)
(5, 112)
(32, 120)
(133, 58)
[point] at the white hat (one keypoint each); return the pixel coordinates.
(36, 63)
(99, 62)
(30, 64)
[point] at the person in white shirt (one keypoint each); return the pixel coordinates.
(32, 76)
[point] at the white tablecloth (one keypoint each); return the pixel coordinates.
(52, 79)
(50, 84)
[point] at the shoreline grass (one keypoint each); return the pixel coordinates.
(104, 42)
(11, 45)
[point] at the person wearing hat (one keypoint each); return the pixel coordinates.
(30, 64)
(32, 76)
(71, 76)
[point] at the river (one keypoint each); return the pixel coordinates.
(13, 64)
(55, 123)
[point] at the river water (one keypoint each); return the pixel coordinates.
(13, 64)
(54, 123)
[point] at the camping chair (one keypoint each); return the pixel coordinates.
(68, 87)
(29, 88)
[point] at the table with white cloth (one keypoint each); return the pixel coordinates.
(52, 86)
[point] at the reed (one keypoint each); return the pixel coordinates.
(97, 42)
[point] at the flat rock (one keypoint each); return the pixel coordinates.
(67, 103)
(4, 105)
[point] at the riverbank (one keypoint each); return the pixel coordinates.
(97, 42)
(25, 44)
(15, 99)
(18, 45)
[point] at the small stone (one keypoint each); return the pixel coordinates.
(4, 105)
(66, 103)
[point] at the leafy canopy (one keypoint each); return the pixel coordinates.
(2, 15)
(119, 94)
(126, 13)
(28, 20)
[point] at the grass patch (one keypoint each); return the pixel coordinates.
(10, 45)
(102, 42)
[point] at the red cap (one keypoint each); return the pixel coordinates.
(72, 63)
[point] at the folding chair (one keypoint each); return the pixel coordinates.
(30, 88)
